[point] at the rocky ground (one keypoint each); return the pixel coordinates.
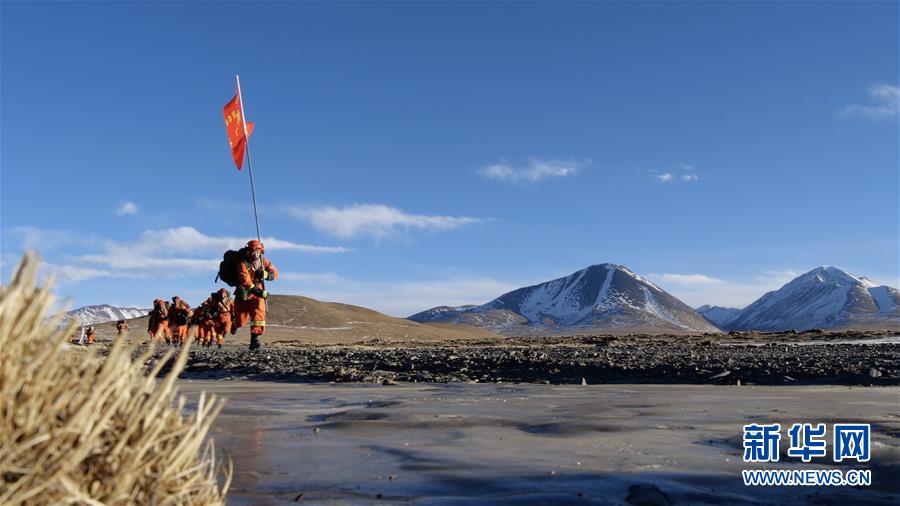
(737, 358)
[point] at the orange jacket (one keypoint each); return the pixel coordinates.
(225, 307)
(202, 312)
(249, 279)
(181, 307)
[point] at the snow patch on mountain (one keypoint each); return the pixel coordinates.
(92, 315)
(884, 298)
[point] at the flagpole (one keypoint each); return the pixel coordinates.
(249, 163)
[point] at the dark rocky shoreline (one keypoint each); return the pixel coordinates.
(762, 359)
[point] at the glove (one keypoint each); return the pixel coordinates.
(259, 292)
(269, 276)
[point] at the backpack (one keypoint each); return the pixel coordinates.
(181, 315)
(228, 267)
(160, 309)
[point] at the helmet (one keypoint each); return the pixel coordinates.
(255, 245)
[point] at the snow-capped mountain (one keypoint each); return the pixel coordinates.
(92, 315)
(718, 315)
(824, 297)
(598, 298)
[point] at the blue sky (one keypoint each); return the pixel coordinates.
(415, 154)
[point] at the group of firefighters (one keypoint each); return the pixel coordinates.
(172, 321)
(90, 334)
(219, 314)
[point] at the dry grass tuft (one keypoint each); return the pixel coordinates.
(92, 431)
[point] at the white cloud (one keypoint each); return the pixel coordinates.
(396, 298)
(169, 252)
(535, 171)
(138, 265)
(886, 105)
(685, 279)
(71, 273)
(189, 239)
(684, 175)
(127, 208)
(373, 219)
(44, 240)
(698, 289)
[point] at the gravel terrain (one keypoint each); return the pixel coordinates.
(764, 359)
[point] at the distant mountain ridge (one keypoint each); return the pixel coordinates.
(603, 297)
(825, 297)
(718, 315)
(92, 315)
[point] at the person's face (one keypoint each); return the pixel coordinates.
(255, 254)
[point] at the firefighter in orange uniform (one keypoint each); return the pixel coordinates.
(121, 328)
(179, 320)
(158, 323)
(91, 333)
(204, 321)
(250, 296)
(222, 315)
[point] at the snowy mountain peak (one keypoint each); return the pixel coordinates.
(833, 275)
(601, 296)
(825, 297)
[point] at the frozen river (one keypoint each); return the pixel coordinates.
(532, 444)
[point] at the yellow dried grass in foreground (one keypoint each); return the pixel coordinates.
(92, 430)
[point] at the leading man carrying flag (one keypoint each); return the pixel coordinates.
(248, 270)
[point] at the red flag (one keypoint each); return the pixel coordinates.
(234, 123)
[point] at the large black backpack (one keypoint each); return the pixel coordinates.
(228, 267)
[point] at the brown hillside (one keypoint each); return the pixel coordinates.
(293, 318)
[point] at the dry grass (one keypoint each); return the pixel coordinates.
(92, 431)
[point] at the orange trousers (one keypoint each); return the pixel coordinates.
(252, 311)
(160, 329)
(180, 333)
(223, 326)
(205, 331)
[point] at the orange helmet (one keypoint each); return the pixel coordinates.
(255, 245)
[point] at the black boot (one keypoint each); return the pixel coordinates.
(254, 342)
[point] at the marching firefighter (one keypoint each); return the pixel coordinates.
(222, 315)
(203, 318)
(121, 328)
(158, 323)
(250, 296)
(91, 333)
(179, 320)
